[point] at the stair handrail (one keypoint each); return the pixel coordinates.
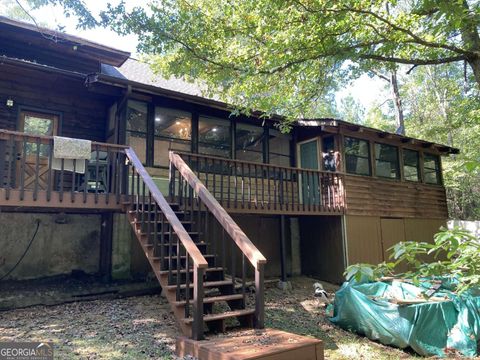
(199, 261)
(241, 239)
(254, 256)
(179, 229)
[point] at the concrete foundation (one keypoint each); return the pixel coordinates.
(62, 244)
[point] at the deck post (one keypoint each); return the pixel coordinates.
(283, 255)
(197, 325)
(106, 235)
(259, 297)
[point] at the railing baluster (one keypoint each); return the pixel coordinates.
(11, 160)
(50, 171)
(22, 167)
(256, 187)
(62, 182)
(268, 184)
(214, 179)
(149, 220)
(229, 183)
(234, 265)
(170, 255)
(97, 167)
(37, 169)
(249, 186)
(244, 277)
(107, 182)
(179, 263)
(162, 244)
(187, 286)
(72, 188)
(221, 182)
(243, 185)
(235, 183)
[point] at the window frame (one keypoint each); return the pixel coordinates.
(368, 157)
(438, 171)
(419, 165)
(399, 165)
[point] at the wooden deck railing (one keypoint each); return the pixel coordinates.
(28, 179)
(194, 197)
(242, 186)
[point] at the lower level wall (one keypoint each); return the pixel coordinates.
(368, 238)
(63, 243)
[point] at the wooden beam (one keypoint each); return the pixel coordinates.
(55, 203)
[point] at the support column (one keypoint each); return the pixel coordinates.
(106, 236)
(283, 255)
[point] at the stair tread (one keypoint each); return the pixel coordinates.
(224, 315)
(205, 284)
(183, 271)
(213, 299)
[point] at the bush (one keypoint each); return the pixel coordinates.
(455, 254)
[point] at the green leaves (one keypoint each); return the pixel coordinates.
(455, 254)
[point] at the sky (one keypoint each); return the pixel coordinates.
(365, 90)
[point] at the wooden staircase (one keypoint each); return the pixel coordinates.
(188, 258)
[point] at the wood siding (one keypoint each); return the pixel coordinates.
(83, 113)
(376, 197)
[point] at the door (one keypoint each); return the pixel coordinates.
(34, 123)
(308, 159)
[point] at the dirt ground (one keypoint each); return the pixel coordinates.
(144, 328)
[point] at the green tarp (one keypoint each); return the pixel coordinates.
(431, 328)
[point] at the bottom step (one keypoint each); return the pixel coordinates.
(222, 316)
(252, 344)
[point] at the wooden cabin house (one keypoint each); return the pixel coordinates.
(175, 184)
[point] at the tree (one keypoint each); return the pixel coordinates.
(259, 53)
(442, 106)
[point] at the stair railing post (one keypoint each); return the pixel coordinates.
(259, 297)
(197, 326)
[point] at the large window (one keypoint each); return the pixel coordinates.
(214, 136)
(411, 165)
(279, 148)
(431, 168)
(173, 131)
(386, 161)
(137, 128)
(249, 143)
(357, 156)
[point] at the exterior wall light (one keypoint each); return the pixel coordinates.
(9, 102)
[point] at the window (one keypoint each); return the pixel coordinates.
(173, 131)
(214, 136)
(386, 161)
(249, 143)
(411, 165)
(357, 156)
(279, 148)
(431, 168)
(137, 128)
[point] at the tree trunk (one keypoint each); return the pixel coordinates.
(475, 65)
(397, 100)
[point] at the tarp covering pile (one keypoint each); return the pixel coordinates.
(447, 323)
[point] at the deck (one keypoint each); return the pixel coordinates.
(28, 180)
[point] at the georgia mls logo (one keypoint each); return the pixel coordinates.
(26, 351)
